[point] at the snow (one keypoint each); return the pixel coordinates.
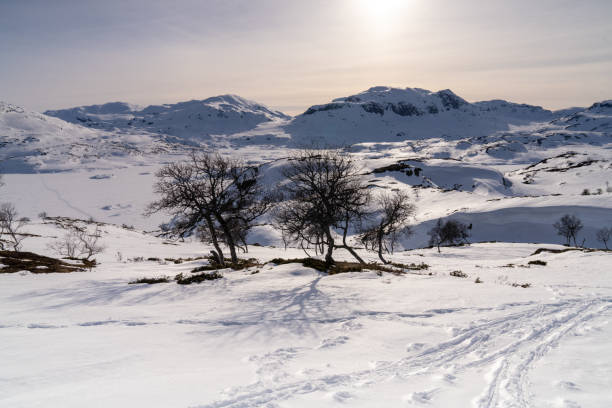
(289, 336)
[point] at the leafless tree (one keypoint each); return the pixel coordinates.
(216, 196)
(604, 235)
(11, 226)
(324, 192)
(568, 226)
(79, 243)
(89, 243)
(450, 232)
(391, 222)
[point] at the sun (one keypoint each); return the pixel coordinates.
(380, 10)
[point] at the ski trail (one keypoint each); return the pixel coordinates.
(62, 199)
(507, 385)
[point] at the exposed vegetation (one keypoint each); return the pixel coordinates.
(15, 261)
(150, 281)
(448, 232)
(458, 274)
(187, 280)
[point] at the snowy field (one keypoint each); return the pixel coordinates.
(289, 336)
(526, 335)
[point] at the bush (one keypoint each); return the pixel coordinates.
(411, 266)
(478, 280)
(450, 232)
(568, 226)
(150, 281)
(537, 262)
(11, 225)
(458, 274)
(188, 280)
(15, 261)
(79, 244)
(342, 267)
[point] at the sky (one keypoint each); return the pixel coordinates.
(292, 54)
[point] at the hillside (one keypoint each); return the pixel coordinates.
(196, 119)
(394, 114)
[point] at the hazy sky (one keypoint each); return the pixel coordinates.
(293, 54)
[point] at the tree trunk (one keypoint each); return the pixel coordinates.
(228, 237)
(348, 248)
(380, 247)
(329, 260)
(213, 234)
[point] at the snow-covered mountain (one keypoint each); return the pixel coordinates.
(394, 114)
(33, 142)
(196, 119)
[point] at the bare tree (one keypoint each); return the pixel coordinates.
(324, 192)
(604, 235)
(391, 223)
(89, 243)
(67, 246)
(218, 197)
(568, 226)
(79, 243)
(450, 232)
(11, 226)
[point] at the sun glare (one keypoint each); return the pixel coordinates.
(383, 10)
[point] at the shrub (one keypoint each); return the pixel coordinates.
(521, 285)
(537, 262)
(79, 244)
(188, 280)
(478, 280)
(150, 281)
(458, 274)
(603, 235)
(450, 232)
(568, 226)
(15, 261)
(411, 266)
(11, 225)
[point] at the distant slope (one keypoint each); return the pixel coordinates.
(196, 119)
(394, 114)
(33, 142)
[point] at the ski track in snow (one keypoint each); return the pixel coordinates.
(474, 347)
(62, 199)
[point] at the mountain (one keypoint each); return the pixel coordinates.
(196, 119)
(393, 114)
(33, 142)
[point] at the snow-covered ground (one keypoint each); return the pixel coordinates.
(289, 336)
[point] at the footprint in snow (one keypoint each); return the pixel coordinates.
(342, 396)
(568, 385)
(423, 397)
(415, 347)
(351, 325)
(568, 404)
(271, 364)
(336, 341)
